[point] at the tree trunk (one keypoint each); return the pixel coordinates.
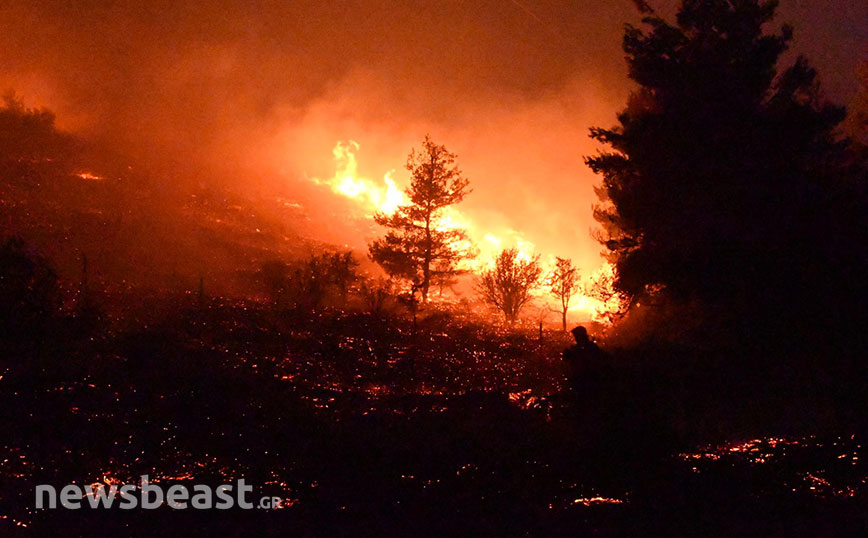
(426, 262)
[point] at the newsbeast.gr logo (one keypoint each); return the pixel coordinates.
(149, 496)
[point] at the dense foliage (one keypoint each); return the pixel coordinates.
(418, 247)
(726, 187)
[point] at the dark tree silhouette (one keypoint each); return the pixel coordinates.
(601, 287)
(342, 272)
(312, 281)
(376, 294)
(416, 243)
(725, 183)
(275, 278)
(563, 284)
(32, 151)
(445, 275)
(309, 282)
(508, 285)
(29, 134)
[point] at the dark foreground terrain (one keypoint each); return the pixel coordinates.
(367, 426)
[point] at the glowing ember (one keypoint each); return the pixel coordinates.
(588, 501)
(87, 176)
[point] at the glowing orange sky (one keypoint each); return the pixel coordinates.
(255, 95)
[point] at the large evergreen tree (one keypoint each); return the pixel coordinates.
(725, 184)
(417, 248)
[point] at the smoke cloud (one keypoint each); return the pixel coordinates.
(253, 96)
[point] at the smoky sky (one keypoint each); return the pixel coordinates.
(257, 93)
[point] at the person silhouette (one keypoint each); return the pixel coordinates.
(583, 360)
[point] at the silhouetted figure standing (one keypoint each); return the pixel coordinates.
(585, 363)
(593, 390)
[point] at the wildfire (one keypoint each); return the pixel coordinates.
(386, 197)
(600, 304)
(588, 501)
(87, 176)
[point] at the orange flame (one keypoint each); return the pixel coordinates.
(87, 176)
(385, 197)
